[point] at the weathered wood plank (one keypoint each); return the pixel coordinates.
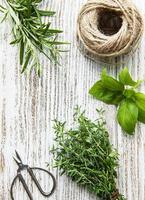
(27, 106)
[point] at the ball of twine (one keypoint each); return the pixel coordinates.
(109, 28)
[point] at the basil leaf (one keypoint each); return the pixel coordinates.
(127, 116)
(141, 115)
(140, 100)
(125, 78)
(111, 83)
(103, 94)
(129, 93)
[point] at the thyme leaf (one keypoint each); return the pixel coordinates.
(86, 155)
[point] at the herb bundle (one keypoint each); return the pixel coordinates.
(122, 92)
(86, 155)
(31, 33)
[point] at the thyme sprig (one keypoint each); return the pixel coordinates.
(31, 33)
(86, 155)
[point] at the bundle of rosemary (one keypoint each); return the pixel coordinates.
(86, 155)
(31, 33)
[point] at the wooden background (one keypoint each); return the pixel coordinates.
(28, 104)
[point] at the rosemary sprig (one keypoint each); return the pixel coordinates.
(86, 155)
(31, 33)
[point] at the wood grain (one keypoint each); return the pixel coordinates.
(28, 104)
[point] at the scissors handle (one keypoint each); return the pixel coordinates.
(21, 179)
(46, 194)
(30, 171)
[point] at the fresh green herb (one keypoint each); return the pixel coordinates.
(122, 93)
(86, 155)
(31, 33)
(128, 115)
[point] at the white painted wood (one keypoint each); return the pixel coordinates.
(28, 104)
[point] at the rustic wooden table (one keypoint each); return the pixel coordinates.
(28, 105)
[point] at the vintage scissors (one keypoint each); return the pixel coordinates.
(30, 170)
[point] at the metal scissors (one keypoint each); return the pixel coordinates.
(30, 170)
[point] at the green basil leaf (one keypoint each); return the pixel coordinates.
(140, 100)
(128, 93)
(125, 78)
(111, 83)
(127, 116)
(103, 94)
(141, 115)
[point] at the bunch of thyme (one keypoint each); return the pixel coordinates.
(86, 155)
(31, 33)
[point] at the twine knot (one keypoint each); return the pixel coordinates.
(115, 195)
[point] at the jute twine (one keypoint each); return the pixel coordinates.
(115, 195)
(124, 16)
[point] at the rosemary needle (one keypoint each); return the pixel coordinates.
(31, 33)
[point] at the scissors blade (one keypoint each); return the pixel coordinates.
(18, 163)
(18, 156)
(17, 159)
